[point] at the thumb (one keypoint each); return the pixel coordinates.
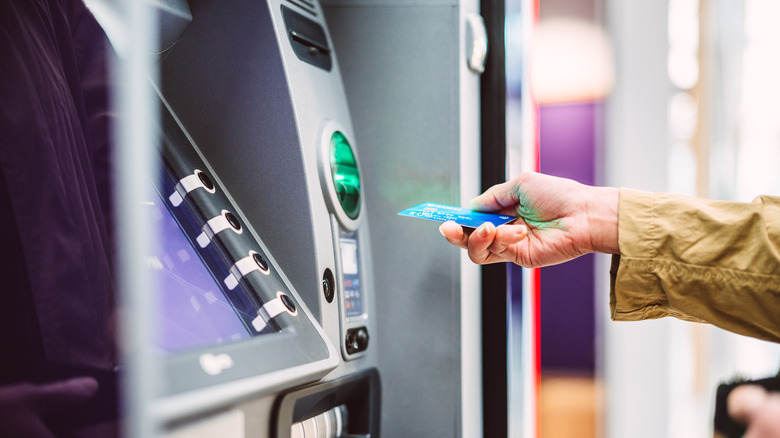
(57, 395)
(501, 198)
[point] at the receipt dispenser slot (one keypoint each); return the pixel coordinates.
(308, 39)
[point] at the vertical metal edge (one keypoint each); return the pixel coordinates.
(472, 391)
(133, 160)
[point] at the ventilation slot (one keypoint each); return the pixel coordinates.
(306, 5)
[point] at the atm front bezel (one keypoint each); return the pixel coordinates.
(298, 353)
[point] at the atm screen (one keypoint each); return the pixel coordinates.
(191, 308)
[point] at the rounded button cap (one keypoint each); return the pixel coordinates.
(205, 180)
(288, 303)
(260, 261)
(328, 285)
(233, 221)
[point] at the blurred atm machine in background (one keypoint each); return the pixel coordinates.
(273, 179)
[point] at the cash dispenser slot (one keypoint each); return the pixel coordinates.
(308, 39)
(346, 408)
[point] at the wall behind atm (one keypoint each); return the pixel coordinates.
(665, 370)
(571, 76)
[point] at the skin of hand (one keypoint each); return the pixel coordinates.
(24, 405)
(558, 219)
(757, 408)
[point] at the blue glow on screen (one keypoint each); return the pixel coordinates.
(191, 309)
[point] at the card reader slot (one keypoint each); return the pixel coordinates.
(308, 39)
(310, 42)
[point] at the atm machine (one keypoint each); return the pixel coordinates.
(299, 320)
(260, 179)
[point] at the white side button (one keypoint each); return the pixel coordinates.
(282, 303)
(189, 183)
(217, 224)
(242, 268)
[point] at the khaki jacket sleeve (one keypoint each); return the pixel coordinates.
(698, 260)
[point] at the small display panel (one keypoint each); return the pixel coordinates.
(191, 308)
(350, 270)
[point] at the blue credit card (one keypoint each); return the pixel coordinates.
(462, 216)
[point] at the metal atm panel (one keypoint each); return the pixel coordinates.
(415, 101)
(256, 87)
(263, 117)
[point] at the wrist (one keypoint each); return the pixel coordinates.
(603, 219)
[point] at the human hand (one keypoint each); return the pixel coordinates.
(558, 220)
(757, 408)
(23, 406)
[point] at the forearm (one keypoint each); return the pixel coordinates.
(696, 259)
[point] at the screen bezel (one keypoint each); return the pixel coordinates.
(297, 353)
